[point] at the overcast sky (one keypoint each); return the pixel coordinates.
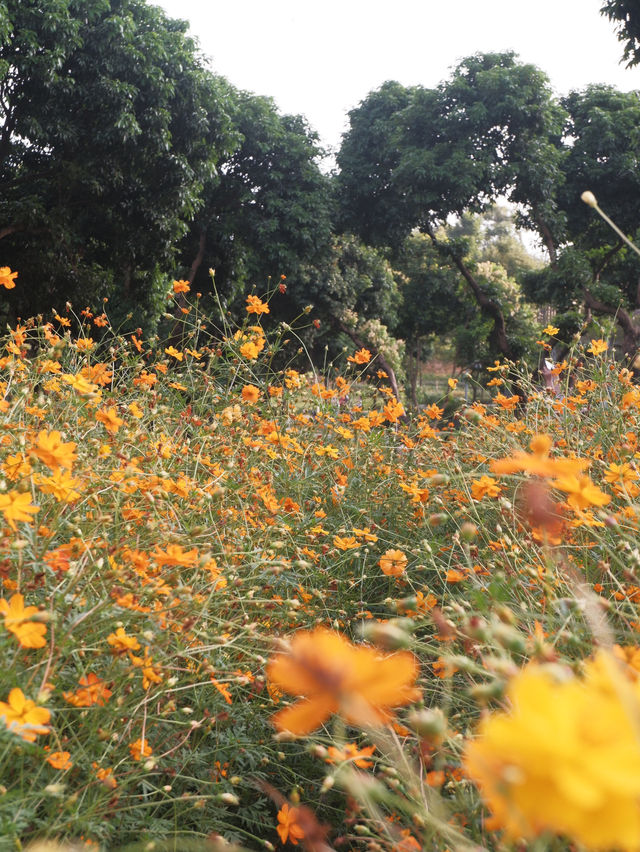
(321, 59)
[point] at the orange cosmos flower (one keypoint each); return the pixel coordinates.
(250, 394)
(79, 384)
(109, 418)
(582, 492)
(85, 344)
(61, 484)
(255, 305)
(362, 356)
(181, 286)
(17, 506)
(93, 692)
(393, 411)
(121, 642)
(23, 717)
(174, 555)
(171, 350)
(288, 828)
(51, 450)
(345, 542)
(7, 278)
(507, 403)
(105, 776)
(60, 760)
(140, 749)
(249, 350)
(486, 486)
(334, 676)
(30, 634)
(392, 563)
(352, 753)
(539, 462)
(598, 347)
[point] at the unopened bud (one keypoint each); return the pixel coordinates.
(430, 724)
(589, 198)
(387, 635)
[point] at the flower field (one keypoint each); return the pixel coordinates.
(245, 604)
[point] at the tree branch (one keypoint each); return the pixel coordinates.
(487, 304)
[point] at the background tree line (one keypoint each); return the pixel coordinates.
(125, 162)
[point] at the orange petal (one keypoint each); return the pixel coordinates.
(392, 683)
(305, 716)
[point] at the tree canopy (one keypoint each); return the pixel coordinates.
(109, 125)
(626, 16)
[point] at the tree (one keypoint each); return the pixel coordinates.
(488, 131)
(268, 210)
(626, 16)
(109, 125)
(589, 264)
(355, 295)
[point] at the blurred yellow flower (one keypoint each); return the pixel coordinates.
(566, 757)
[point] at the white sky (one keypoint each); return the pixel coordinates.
(321, 59)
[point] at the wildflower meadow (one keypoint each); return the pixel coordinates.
(252, 605)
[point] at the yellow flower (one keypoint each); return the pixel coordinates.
(598, 347)
(249, 350)
(79, 384)
(30, 634)
(171, 350)
(352, 753)
(333, 676)
(539, 462)
(61, 484)
(17, 506)
(550, 330)
(121, 642)
(565, 758)
(22, 716)
(50, 449)
(582, 492)
(85, 344)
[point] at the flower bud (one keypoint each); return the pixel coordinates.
(589, 198)
(430, 724)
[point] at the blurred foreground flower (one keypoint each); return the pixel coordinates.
(334, 676)
(565, 758)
